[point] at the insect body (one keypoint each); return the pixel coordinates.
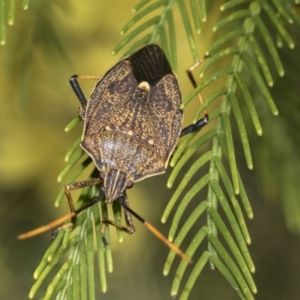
(132, 123)
(133, 120)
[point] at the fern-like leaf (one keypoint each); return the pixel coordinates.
(226, 202)
(7, 16)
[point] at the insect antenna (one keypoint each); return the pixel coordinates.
(158, 234)
(54, 224)
(51, 225)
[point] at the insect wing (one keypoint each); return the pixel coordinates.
(151, 65)
(110, 93)
(133, 118)
(165, 100)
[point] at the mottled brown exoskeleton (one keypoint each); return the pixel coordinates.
(132, 123)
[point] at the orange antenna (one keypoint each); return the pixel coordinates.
(52, 225)
(159, 235)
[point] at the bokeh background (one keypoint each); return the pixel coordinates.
(53, 40)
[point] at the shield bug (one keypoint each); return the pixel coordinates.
(132, 123)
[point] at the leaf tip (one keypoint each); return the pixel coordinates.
(35, 275)
(291, 45)
(171, 237)
(172, 163)
(248, 241)
(259, 131)
(66, 129)
(237, 190)
(49, 258)
(165, 272)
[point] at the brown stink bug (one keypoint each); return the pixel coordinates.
(132, 123)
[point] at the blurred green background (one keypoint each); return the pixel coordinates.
(53, 40)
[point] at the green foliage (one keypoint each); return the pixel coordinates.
(250, 50)
(7, 16)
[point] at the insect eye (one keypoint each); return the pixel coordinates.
(102, 175)
(129, 184)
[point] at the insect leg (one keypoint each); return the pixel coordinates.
(76, 186)
(77, 89)
(106, 222)
(202, 122)
(129, 224)
(128, 219)
(72, 215)
(75, 213)
(194, 127)
(191, 77)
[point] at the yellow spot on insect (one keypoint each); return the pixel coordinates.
(144, 85)
(130, 132)
(107, 128)
(150, 141)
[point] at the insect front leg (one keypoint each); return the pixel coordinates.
(74, 186)
(194, 127)
(78, 91)
(129, 224)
